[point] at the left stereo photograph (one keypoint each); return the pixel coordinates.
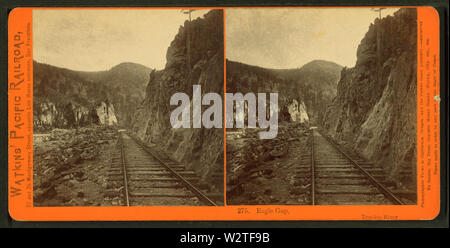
(104, 82)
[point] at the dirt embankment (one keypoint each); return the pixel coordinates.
(70, 166)
(262, 171)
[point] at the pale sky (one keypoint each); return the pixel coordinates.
(98, 39)
(290, 38)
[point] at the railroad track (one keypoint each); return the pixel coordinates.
(337, 178)
(144, 178)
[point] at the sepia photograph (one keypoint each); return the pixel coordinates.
(102, 102)
(346, 108)
(181, 113)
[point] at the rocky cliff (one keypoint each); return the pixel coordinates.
(303, 93)
(64, 98)
(375, 107)
(200, 62)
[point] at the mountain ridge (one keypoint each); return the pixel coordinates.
(299, 84)
(61, 93)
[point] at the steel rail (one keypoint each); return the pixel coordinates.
(194, 189)
(125, 179)
(313, 176)
(374, 181)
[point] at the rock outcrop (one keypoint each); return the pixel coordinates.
(297, 112)
(375, 107)
(105, 114)
(199, 149)
(64, 98)
(48, 115)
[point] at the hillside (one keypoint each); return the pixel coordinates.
(66, 98)
(313, 85)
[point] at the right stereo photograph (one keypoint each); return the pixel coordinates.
(324, 106)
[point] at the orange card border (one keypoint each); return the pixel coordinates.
(20, 151)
